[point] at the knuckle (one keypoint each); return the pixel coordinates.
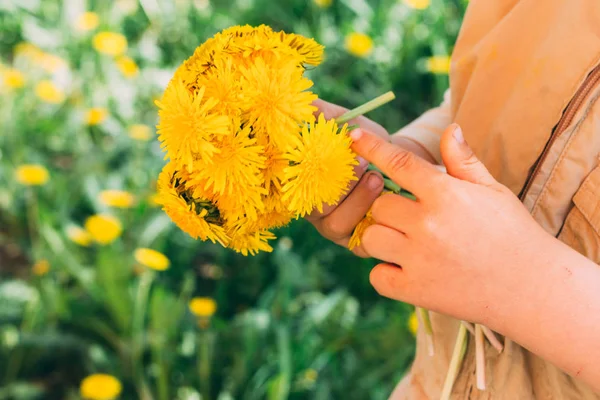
(401, 160)
(380, 205)
(335, 228)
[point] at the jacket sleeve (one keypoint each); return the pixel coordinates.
(428, 128)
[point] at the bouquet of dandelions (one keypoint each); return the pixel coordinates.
(246, 153)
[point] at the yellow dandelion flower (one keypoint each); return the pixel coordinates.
(323, 3)
(359, 230)
(13, 78)
(127, 66)
(32, 174)
(47, 91)
(321, 167)
(41, 268)
(26, 49)
(140, 132)
(418, 4)
(51, 63)
(438, 65)
(79, 235)
(310, 51)
(237, 164)
(251, 242)
(359, 44)
(198, 217)
(95, 116)
(152, 259)
(203, 307)
(276, 213)
(276, 100)
(87, 21)
(187, 128)
(413, 323)
(273, 173)
(117, 198)
(223, 84)
(110, 43)
(104, 229)
(100, 387)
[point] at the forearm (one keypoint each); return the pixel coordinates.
(554, 311)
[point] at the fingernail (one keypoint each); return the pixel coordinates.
(374, 181)
(362, 163)
(458, 134)
(356, 134)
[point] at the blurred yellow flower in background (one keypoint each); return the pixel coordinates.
(117, 198)
(87, 21)
(323, 3)
(203, 307)
(413, 323)
(13, 78)
(27, 49)
(79, 235)
(359, 44)
(110, 43)
(418, 4)
(50, 62)
(152, 259)
(140, 132)
(311, 375)
(47, 91)
(127, 66)
(41, 268)
(438, 65)
(32, 174)
(95, 116)
(104, 229)
(100, 387)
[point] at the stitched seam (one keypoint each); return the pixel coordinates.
(563, 154)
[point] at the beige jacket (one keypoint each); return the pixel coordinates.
(524, 83)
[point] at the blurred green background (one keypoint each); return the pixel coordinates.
(299, 323)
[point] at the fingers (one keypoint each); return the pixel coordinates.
(383, 243)
(395, 212)
(359, 171)
(331, 110)
(391, 281)
(340, 223)
(460, 160)
(403, 167)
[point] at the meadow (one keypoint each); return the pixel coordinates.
(101, 295)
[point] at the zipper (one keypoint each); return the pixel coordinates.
(574, 106)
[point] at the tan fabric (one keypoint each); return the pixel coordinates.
(517, 65)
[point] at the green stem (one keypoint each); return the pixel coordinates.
(204, 358)
(455, 362)
(365, 108)
(391, 185)
(137, 332)
(428, 329)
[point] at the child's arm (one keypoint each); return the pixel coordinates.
(468, 248)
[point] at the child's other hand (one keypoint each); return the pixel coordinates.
(458, 249)
(337, 223)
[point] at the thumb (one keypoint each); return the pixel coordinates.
(459, 159)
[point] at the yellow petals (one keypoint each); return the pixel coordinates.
(321, 167)
(140, 132)
(127, 66)
(103, 229)
(323, 3)
(359, 230)
(359, 44)
(95, 116)
(41, 268)
(110, 43)
(100, 387)
(13, 78)
(87, 21)
(32, 174)
(418, 4)
(203, 307)
(117, 198)
(413, 323)
(79, 235)
(438, 65)
(152, 259)
(48, 92)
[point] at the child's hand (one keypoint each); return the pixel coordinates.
(462, 245)
(337, 223)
